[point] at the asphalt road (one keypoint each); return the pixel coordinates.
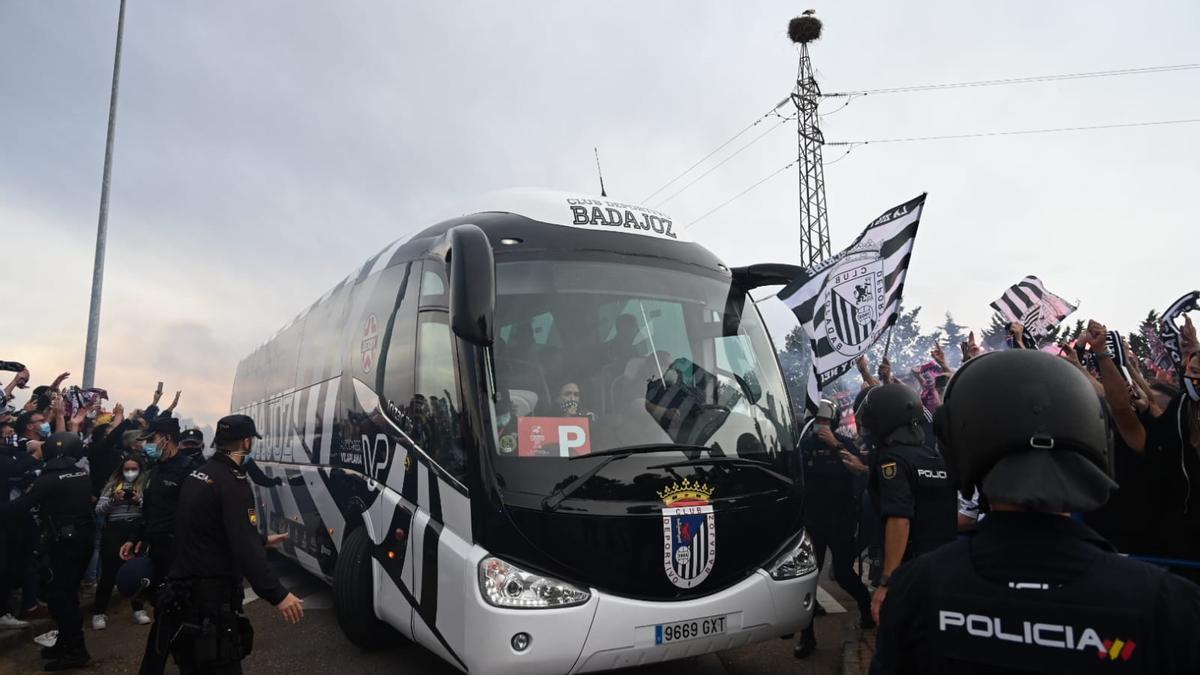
(316, 645)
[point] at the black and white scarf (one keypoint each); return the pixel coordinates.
(1172, 337)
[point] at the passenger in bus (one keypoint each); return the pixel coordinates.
(621, 347)
(569, 402)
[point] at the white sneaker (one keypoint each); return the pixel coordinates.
(10, 621)
(141, 618)
(99, 621)
(47, 639)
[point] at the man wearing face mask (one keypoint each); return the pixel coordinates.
(219, 544)
(63, 495)
(155, 535)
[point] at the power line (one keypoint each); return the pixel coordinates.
(718, 165)
(715, 151)
(1019, 132)
(729, 201)
(1020, 80)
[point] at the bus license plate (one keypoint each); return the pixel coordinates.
(666, 633)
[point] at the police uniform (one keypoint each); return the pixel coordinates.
(911, 482)
(219, 544)
(831, 510)
(160, 501)
(908, 480)
(156, 531)
(63, 495)
(1031, 590)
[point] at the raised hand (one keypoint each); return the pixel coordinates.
(1096, 336)
(59, 380)
(938, 355)
(1188, 340)
(885, 370)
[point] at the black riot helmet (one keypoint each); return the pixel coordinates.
(887, 409)
(1029, 429)
(62, 443)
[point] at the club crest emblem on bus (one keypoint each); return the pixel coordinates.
(689, 533)
(854, 301)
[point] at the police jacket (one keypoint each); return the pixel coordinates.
(1036, 593)
(911, 482)
(62, 493)
(217, 530)
(14, 465)
(160, 500)
(827, 477)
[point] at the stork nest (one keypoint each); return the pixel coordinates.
(804, 29)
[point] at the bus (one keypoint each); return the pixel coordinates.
(551, 436)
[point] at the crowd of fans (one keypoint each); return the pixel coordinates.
(1155, 514)
(117, 462)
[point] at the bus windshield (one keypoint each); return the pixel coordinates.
(593, 356)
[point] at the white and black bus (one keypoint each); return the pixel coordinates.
(548, 437)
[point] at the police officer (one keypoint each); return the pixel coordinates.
(917, 502)
(219, 543)
(1032, 590)
(831, 509)
(63, 495)
(155, 536)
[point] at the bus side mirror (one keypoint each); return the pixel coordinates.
(765, 274)
(472, 285)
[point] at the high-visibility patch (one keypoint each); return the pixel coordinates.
(888, 470)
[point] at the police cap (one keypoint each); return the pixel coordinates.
(134, 576)
(192, 437)
(887, 408)
(168, 426)
(62, 443)
(1030, 429)
(233, 428)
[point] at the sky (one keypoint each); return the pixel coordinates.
(264, 150)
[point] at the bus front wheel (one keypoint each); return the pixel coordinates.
(354, 593)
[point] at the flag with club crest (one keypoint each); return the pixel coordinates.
(847, 302)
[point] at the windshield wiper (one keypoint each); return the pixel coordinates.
(738, 461)
(627, 450)
(556, 498)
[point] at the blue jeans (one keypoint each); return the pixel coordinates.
(93, 568)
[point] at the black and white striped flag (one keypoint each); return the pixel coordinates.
(846, 303)
(1029, 303)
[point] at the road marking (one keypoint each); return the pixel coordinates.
(831, 606)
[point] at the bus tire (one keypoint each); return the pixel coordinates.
(354, 593)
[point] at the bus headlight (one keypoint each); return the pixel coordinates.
(795, 562)
(505, 585)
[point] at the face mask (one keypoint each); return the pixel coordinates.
(151, 450)
(568, 407)
(131, 475)
(503, 420)
(1192, 385)
(45, 430)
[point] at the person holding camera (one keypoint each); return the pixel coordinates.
(120, 506)
(63, 496)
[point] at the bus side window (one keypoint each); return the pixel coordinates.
(434, 409)
(399, 358)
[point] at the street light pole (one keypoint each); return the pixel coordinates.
(93, 334)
